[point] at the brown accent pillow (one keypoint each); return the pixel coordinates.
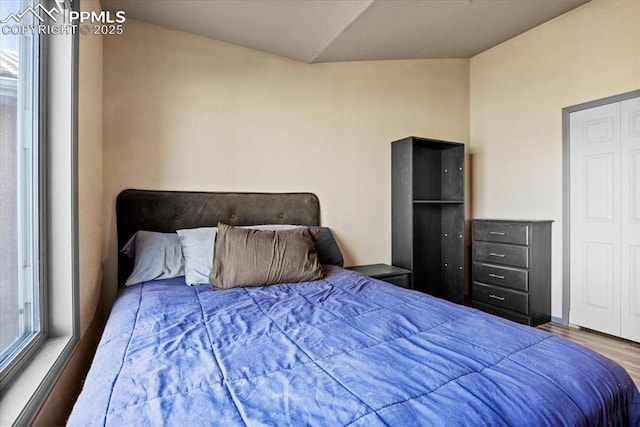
(246, 257)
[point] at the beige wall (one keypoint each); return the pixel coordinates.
(90, 165)
(90, 196)
(518, 90)
(182, 112)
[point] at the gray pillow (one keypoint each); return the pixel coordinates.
(156, 256)
(249, 257)
(327, 248)
(197, 248)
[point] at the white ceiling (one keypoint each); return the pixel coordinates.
(351, 30)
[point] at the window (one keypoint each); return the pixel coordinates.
(38, 201)
(20, 292)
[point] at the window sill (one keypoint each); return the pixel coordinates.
(21, 400)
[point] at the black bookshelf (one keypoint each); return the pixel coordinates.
(427, 184)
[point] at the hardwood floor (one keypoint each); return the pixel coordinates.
(626, 353)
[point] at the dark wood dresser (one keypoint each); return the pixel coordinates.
(511, 272)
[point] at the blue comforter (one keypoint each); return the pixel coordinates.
(345, 350)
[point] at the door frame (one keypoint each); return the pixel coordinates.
(566, 196)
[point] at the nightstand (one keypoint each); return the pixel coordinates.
(388, 273)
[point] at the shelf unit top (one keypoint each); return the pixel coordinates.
(430, 143)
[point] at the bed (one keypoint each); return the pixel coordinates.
(342, 350)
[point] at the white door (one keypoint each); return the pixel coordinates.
(630, 217)
(605, 218)
(595, 225)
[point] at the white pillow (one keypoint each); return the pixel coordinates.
(197, 248)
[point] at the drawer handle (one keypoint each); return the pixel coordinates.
(498, 233)
(496, 297)
(498, 255)
(495, 276)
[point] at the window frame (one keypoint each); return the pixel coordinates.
(24, 351)
(26, 381)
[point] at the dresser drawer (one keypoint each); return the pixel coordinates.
(517, 234)
(496, 253)
(500, 297)
(508, 277)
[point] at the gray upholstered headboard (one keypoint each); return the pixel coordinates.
(168, 211)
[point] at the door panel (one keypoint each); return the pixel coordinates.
(598, 188)
(630, 219)
(598, 130)
(598, 276)
(595, 218)
(634, 190)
